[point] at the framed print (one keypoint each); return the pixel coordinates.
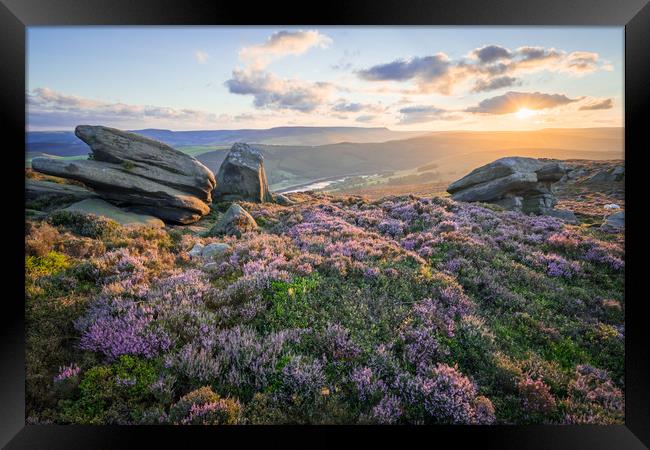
(376, 219)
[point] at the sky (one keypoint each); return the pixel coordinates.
(402, 78)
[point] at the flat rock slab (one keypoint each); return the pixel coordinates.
(142, 174)
(516, 183)
(100, 207)
(35, 189)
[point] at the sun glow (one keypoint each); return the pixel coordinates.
(524, 113)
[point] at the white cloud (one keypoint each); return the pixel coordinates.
(270, 91)
(427, 113)
(50, 109)
(343, 106)
(280, 44)
(597, 104)
(488, 68)
(201, 56)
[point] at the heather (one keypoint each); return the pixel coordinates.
(402, 310)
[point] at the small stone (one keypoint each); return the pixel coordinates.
(196, 251)
(283, 200)
(216, 248)
(614, 222)
(235, 222)
(563, 214)
(211, 267)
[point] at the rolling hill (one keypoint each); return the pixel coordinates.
(453, 152)
(65, 143)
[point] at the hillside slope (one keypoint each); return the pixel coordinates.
(454, 152)
(406, 309)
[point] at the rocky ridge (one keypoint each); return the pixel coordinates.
(515, 183)
(133, 171)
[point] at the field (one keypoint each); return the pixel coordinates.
(383, 307)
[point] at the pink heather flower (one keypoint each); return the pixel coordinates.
(120, 328)
(449, 394)
(388, 410)
(366, 383)
(303, 377)
(336, 340)
(391, 227)
(67, 372)
(536, 397)
(371, 272)
(555, 265)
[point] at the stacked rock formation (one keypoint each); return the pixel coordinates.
(142, 174)
(515, 183)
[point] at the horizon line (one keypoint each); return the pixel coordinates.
(334, 126)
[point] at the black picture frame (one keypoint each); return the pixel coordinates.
(16, 15)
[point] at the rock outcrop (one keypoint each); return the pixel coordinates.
(608, 176)
(515, 183)
(148, 176)
(100, 207)
(241, 176)
(235, 222)
(614, 222)
(49, 191)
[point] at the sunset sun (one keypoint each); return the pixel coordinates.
(524, 113)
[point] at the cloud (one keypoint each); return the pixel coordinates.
(582, 62)
(512, 102)
(528, 53)
(419, 114)
(495, 83)
(280, 44)
(201, 56)
(342, 106)
(425, 68)
(574, 63)
(48, 108)
(593, 105)
(348, 107)
(346, 62)
(365, 118)
(491, 53)
(430, 73)
(45, 97)
(489, 67)
(270, 91)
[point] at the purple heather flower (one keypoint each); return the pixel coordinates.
(67, 372)
(388, 410)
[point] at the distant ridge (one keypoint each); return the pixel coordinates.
(65, 143)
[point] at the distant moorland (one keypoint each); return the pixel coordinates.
(298, 155)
